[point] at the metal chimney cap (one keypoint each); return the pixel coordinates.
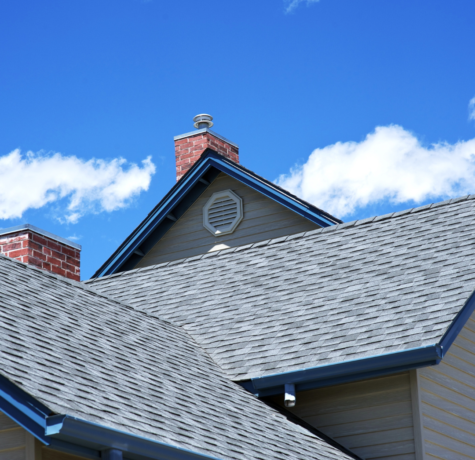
(203, 120)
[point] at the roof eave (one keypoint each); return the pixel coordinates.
(344, 372)
(363, 368)
(80, 437)
(72, 431)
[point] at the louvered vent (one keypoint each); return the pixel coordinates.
(222, 213)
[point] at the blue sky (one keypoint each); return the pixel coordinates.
(344, 79)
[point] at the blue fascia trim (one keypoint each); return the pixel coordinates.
(93, 436)
(23, 409)
(268, 191)
(151, 222)
(457, 324)
(312, 385)
(185, 185)
(363, 368)
(357, 369)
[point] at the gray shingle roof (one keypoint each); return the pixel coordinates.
(82, 354)
(358, 289)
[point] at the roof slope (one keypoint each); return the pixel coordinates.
(344, 292)
(85, 355)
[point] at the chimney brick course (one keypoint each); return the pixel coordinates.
(42, 252)
(188, 150)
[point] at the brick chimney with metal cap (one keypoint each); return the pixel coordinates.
(190, 146)
(42, 249)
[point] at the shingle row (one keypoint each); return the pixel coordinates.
(85, 355)
(358, 289)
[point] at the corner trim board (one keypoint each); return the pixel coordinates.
(417, 415)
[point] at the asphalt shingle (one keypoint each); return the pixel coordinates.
(345, 292)
(88, 356)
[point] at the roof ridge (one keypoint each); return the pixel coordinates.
(332, 228)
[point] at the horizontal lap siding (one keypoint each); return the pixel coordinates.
(15, 442)
(263, 219)
(373, 417)
(50, 454)
(447, 394)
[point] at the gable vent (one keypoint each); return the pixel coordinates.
(222, 213)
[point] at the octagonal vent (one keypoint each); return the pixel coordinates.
(222, 213)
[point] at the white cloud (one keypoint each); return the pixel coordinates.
(292, 4)
(33, 180)
(389, 164)
(471, 109)
(74, 237)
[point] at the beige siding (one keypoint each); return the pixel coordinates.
(15, 442)
(373, 417)
(50, 454)
(447, 394)
(263, 219)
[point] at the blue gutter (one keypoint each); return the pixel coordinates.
(79, 437)
(97, 437)
(343, 372)
(362, 368)
(209, 160)
(23, 409)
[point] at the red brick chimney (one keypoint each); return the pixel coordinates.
(190, 146)
(41, 249)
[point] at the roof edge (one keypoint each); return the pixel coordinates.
(457, 324)
(24, 409)
(97, 437)
(343, 372)
(362, 368)
(66, 433)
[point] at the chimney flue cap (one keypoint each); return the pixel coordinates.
(203, 120)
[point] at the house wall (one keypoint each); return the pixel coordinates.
(15, 442)
(447, 395)
(50, 454)
(263, 219)
(372, 417)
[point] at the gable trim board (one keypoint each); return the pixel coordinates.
(363, 368)
(192, 185)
